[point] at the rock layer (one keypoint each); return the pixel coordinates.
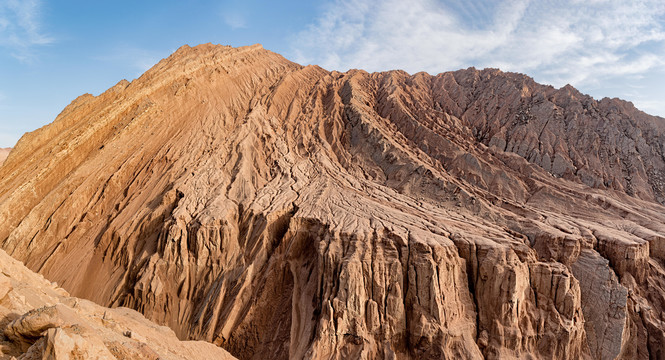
(285, 211)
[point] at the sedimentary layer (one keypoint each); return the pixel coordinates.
(286, 211)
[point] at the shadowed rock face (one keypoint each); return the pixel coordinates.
(285, 211)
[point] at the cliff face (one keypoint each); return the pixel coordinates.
(285, 211)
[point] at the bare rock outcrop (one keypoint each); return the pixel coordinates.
(606, 315)
(285, 211)
(39, 320)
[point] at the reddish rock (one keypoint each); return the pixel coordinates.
(282, 211)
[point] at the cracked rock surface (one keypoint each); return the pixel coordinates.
(283, 211)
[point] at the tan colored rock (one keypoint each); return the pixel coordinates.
(63, 344)
(60, 327)
(282, 211)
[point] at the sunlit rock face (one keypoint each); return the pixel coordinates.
(39, 320)
(282, 211)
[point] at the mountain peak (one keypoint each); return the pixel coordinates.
(285, 211)
(210, 47)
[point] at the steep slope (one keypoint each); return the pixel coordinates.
(286, 211)
(38, 320)
(604, 144)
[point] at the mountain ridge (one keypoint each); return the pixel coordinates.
(228, 191)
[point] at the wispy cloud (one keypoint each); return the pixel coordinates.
(580, 42)
(137, 58)
(234, 19)
(20, 27)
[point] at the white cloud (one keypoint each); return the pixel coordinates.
(137, 58)
(581, 42)
(20, 27)
(234, 19)
(650, 106)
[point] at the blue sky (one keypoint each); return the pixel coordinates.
(53, 51)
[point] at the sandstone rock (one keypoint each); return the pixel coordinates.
(282, 211)
(604, 304)
(63, 345)
(60, 327)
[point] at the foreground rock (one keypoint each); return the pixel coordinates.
(282, 211)
(39, 320)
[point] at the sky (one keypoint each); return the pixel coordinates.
(53, 51)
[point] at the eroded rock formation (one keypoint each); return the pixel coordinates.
(39, 320)
(285, 211)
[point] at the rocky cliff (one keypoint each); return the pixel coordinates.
(285, 211)
(38, 320)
